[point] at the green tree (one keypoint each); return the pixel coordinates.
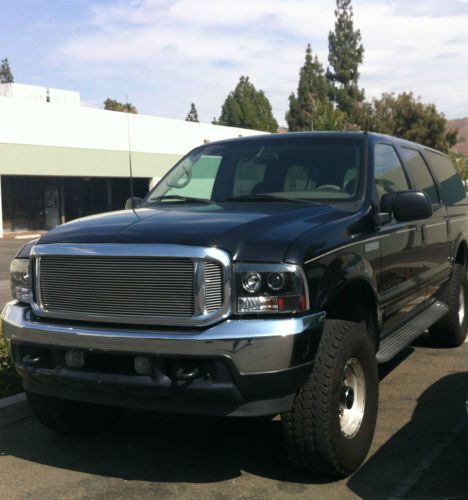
(6, 76)
(247, 107)
(461, 163)
(407, 117)
(192, 114)
(345, 54)
(113, 105)
(312, 108)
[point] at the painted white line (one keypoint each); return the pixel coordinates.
(27, 236)
(416, 474)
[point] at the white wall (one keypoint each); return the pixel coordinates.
(25, 93)
(64, 97)
(46, 124)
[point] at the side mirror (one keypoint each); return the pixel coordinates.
(133, 202)
(407, 205)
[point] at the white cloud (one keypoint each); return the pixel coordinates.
(172, 52)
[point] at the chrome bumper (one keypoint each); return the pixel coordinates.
(253, 345)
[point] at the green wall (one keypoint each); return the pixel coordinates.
(25, 159)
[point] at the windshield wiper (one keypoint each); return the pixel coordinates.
(265, 197)
(178, 197)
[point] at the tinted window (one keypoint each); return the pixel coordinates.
(197, 178)
(302, 168)
(389, 174)
(419, 171)
(247, 176)
(450, 183)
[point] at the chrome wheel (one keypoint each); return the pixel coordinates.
(461, 307)
(352, 398)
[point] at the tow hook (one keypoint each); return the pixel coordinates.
(31, 361)
(184, 374)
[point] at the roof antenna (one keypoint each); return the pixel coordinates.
(132, 202)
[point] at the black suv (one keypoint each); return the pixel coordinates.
(262, 275)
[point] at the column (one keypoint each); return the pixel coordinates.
(1, 211)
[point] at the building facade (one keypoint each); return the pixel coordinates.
(60, 161)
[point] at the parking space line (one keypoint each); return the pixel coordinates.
(402, 490)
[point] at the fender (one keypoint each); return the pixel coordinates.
(460, 240)
(328, 277)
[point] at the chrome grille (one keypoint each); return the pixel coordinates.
(117, 286)
(135, 283)
(213, 286)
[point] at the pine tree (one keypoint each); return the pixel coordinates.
(312, 109)
(345, 55)
(247, 107)
(6, 76)
(192, 114)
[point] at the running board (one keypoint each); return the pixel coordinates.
(397, 341)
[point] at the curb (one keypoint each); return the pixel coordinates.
(13, 408)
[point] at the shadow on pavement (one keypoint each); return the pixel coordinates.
(428, 457)
(154, 448)
(147, 446)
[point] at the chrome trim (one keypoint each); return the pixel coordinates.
(37, 277)
(435, 224)
(342, 247)
(254, 345)
(456, 218)
(197, 254)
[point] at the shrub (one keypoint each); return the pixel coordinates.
(10, 381)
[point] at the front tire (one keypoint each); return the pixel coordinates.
(72, 418)
(330, 427)
(451, 330)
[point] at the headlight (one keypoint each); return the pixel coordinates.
(19, 278)
(270, 288)
(19, 273)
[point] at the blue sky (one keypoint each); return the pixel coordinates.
(164, 54)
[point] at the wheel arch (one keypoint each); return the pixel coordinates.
(460, 255)
(357, 302)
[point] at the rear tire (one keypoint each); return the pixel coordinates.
(72, 418)
(330, 427)
(451, 330)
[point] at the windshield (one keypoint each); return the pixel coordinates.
(296, 169)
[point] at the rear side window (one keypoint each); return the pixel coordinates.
(420, 173)
(450, 182)
(389, 174)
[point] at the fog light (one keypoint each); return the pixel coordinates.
(142, 365)
(74, 359)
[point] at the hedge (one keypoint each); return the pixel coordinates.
(10, 381)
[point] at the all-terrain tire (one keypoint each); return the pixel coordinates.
(72, 418)
(313, 429)
(450, 331)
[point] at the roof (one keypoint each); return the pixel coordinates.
(371, 136)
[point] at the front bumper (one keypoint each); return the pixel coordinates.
(245, 366)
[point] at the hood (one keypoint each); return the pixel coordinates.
(260, 231)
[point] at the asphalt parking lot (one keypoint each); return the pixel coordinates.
(420, 449)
